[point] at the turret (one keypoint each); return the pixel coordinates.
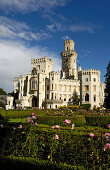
(69, 57)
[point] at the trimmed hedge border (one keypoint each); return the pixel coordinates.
(97, 120)
(22, 163)
(58, 120)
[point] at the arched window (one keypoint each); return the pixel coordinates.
(94, 98)
(87, 97)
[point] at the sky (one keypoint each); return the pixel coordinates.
(38, 28)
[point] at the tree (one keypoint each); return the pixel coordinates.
(2, 92)
(107, 87)
(75, 99)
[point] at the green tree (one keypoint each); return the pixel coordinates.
(2, 92)
(75, 99)
(107, 87)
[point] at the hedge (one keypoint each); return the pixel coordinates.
(58, 120)
(97, 120)
(21, 163)
(86, 106)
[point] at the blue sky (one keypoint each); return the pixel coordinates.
(34, 28)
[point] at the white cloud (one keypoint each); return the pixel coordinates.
(11, 29)
(81, 28)
(30, 5)
(66, 37)
(70, 27)
(15, 60)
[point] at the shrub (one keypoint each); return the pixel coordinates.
(97, 120)
(2, 105)
(29, 163)
(54, 120)
(86, 106)
(79, 150)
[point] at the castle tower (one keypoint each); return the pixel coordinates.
(69, 57)
(42, 64)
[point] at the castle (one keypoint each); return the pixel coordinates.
(43, 87)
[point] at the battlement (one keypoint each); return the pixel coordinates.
(40, 60)
(90, 71)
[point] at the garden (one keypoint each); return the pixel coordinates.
(65, 138)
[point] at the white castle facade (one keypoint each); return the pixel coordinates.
(43, 87)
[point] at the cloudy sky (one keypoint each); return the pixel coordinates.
(35, 28)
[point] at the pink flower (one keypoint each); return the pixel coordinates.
(56, 137)
(33, 117)
(32, 114)
(107, 146)
(72, 126)
(107, 136)
(1, 125)
(28, 120)
(91, 135)
(36, 124)
(57, 126)
(20, 127)
(53, 127)
(108, 125)
(67, 121)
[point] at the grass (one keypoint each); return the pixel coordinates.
(21, 113)
(18, 120)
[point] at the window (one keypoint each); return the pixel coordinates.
(67, 48)
(94, 87)
(69, 97)
(94, 79)
(94, 98)
(35, 84)
(52, 96)
(86, 79)
(87, 97)
(52, 78)
(55, 95)
(52, 86)
(32, 84)
(56, 106)
(38, 66)
(47, 96)
(64, 97)
(47, 87)
(86, 88)
(50, 106)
